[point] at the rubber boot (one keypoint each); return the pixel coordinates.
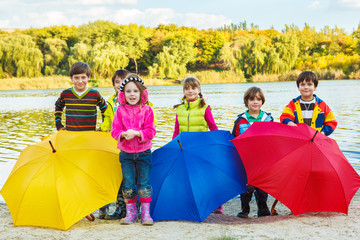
(131, 215)
(219, 210)
(145, 214)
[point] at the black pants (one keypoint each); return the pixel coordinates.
(260, 197)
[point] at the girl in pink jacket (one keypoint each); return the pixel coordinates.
(133, 127)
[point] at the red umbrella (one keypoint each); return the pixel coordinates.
(303, 169)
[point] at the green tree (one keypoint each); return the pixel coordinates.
(20, 56)
(55, 54)
(106, 58)
(133, 42)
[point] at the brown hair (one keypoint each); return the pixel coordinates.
(251, 93)
(79, 68)
(121, 73)
(138, 85)
(192, 82)
(307, 76)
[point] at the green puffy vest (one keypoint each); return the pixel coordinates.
(191, 117)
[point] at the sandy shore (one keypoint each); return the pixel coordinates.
(283, 226)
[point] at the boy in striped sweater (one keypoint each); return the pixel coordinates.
(79, 101)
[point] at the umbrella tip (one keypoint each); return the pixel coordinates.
(314, 135)
(53, 149)
(180, 144)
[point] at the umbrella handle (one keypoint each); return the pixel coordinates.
(180, 144)
(90, 217)
(273, 211)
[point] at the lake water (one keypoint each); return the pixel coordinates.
(28, 115)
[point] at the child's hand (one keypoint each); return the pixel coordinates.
(292, 124)
(130, 134)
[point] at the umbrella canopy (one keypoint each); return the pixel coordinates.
(303, 169)
(194, 174)
(56, 188)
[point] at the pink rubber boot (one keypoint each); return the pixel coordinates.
(131, 214)
(219, 210)
(145, 214)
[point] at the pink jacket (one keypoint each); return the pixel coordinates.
(135, 117)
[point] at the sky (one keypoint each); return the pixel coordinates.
(201, 14)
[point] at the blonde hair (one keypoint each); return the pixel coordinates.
(191, 82)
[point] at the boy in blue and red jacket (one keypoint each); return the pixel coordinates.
(309, 108)
(253, 99)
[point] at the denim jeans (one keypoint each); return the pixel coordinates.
(136, 169)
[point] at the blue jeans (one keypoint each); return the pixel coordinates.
(136, 166)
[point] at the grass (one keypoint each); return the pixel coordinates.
(205, 77)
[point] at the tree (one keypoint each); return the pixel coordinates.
(104, 62)
(55, 54)
(133, 42)
(20, 56)
(177, 52)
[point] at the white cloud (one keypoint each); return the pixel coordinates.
(4, 23)
(350, 3)
(104, 2)
(315, 4)
(152, 17)
(51, 18)
(204, 21)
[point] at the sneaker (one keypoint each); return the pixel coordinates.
(116, 215)
(243, 215)
(103, 212)
(264, 214)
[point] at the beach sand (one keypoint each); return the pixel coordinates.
(227, 226)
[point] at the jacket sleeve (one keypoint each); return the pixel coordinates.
(148, 132)
(330, 122)
(210, 119)
(117, 127)
(102, 105)
(288, 114)
(107, 122)
(236, 130)
(176, 128)
(59, 107)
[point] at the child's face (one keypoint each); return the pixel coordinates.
(80, 81)
(117, 83)
(132, 93)
(191, 93)
(255, 104)
(307, 90)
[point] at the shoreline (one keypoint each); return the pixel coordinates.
(325, 225)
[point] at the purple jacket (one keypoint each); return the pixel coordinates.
(136, 117)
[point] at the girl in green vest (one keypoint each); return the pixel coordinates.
(193, 114)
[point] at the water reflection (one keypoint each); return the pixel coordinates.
(28, 115)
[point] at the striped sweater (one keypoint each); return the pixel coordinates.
(80, 112)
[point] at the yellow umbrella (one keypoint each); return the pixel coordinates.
(57, 186)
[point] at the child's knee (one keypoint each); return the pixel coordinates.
(129, 193)
(145, 192)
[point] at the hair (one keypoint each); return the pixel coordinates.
(307, 76)
(79, 68)
(251, 93)
(141, 87)
(121, 73)
(192, 82)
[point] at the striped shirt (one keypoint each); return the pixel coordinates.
(80, 111)
(307, 109)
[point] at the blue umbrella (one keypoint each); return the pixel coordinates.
(194, 174)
